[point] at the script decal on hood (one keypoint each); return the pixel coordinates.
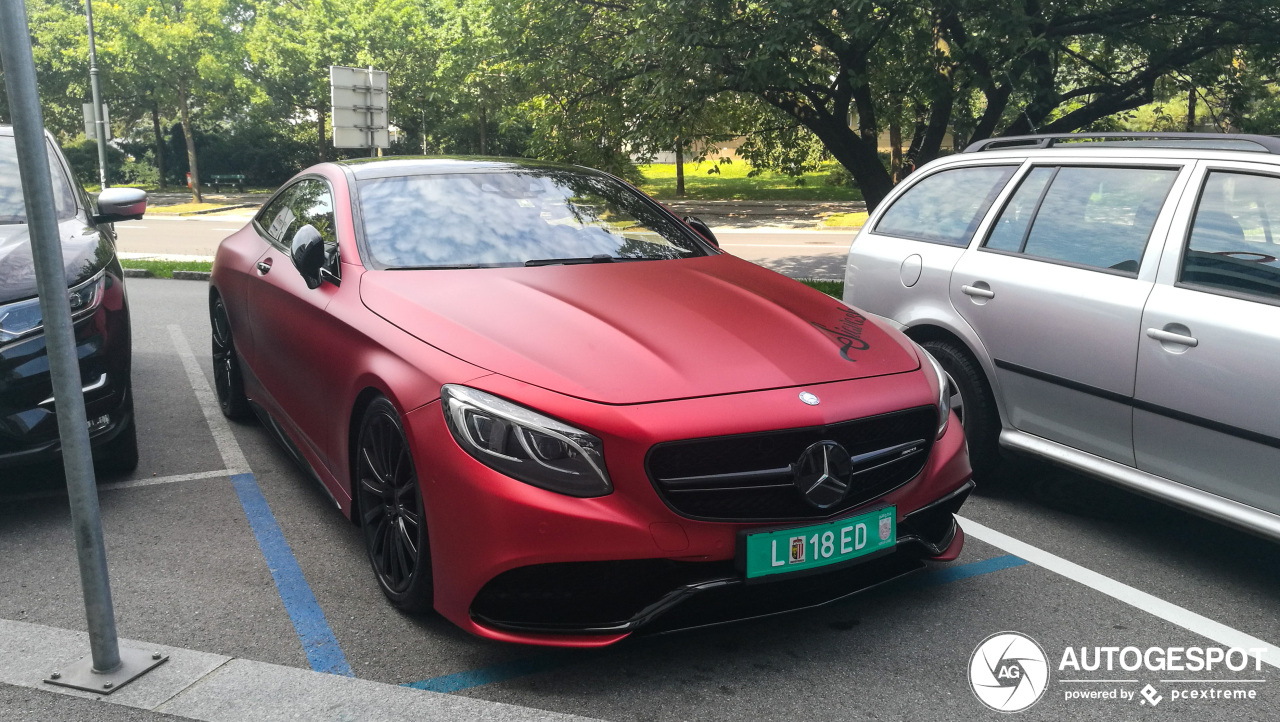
(847, 333)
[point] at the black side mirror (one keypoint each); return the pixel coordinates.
(703, 229)
(307, 251)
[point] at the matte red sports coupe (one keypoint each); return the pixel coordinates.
(561, 414)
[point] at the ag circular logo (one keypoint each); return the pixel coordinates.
(1008, 672)
(809, 398)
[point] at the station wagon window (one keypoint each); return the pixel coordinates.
(1086, 216)
(1234, 243)
(947, 206)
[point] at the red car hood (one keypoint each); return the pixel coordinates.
(642, 331)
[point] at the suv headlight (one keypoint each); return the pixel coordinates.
(21, 318)
(524, 444)
(944, 391)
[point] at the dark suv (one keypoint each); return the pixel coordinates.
(100, 313)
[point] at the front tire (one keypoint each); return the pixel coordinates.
(227, 380)
(973, 403)
(391, 509)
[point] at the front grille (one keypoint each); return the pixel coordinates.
(748, 477)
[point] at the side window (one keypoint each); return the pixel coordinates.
(1011, 229)
(312, 204)
(947, 206)
(1232, 245)
(277, 219)
(1097, 217)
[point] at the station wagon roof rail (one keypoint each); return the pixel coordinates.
(1198, 141)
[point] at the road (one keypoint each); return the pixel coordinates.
(1061, 559)
(792, 252)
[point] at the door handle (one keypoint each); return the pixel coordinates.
(978, 292)
(1170, 337)
(264, 267)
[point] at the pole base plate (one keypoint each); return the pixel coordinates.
(80, 674)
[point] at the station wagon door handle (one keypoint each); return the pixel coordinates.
(1170, 337)
(979, 292)
(264, 267)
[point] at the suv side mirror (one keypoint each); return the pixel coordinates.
(307, 252)
(703, 229)
(120, 204)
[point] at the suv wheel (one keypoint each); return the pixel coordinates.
(973, 403)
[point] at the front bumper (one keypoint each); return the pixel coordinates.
(28, 422)
(516, 563)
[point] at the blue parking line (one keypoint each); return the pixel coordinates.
(304, 611)
(548, 661)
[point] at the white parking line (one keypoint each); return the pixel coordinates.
(1152, 605)
(116, 485)
(135, 483)
(232, 456)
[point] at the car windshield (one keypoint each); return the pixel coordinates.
(515, 218)
(12, 209)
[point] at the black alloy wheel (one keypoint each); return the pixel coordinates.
(391, 510)
(227, 380)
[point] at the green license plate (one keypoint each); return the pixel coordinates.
(781, 551)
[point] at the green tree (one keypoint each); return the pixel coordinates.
(193, 49)
(841, 68)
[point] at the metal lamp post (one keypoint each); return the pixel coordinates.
(99, 123)
(108, 667)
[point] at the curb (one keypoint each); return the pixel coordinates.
(177, 275)
(219, 210)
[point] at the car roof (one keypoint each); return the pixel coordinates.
(365, 168)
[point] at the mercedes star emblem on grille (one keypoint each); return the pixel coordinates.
(809, 398)
(823, 474)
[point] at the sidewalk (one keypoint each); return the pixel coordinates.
(216, 688)
(764, 214)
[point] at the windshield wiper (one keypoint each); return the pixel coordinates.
(598, 258)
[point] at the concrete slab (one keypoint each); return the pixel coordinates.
(243, 690)
(32, 651)
(217, 688)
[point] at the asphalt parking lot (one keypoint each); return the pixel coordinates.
(1055, 557)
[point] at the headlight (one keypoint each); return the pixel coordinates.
(944, 391)
(23, 317)
(524, 444)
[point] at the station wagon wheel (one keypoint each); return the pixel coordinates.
(973, 402)
(227, 380)
(391, 509)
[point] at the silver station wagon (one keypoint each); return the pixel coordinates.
(1110, 303)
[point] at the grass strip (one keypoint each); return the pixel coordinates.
(845, 220)
(165, 269)
(831, 288)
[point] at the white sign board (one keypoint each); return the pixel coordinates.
(359, 100)
(90, 129)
